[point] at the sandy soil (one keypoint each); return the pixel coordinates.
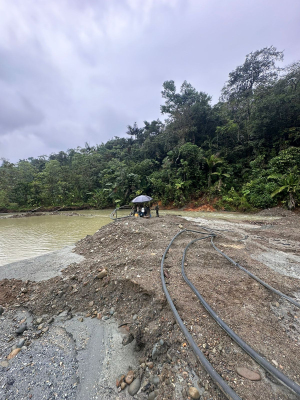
(131, 250)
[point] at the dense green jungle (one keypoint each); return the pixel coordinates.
(240, 154)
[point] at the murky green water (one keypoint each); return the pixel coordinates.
(22, 238)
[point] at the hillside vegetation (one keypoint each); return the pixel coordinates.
(243, 151)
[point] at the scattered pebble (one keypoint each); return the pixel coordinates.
(102, 274)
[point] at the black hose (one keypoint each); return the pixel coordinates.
(288, 298)
(226, 389)
(252, 353)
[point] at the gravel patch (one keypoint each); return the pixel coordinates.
(42, 267)
(281, 262)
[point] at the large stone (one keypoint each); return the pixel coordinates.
(248, 374)
(134, 387)
(1, 310)
(194, 393)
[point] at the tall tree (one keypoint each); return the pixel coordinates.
(258, 71)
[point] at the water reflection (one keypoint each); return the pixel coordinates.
(27, 237)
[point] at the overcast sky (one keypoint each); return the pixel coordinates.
(76, 71)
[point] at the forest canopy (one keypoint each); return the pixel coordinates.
(243, 151)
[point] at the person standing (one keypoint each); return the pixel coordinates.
(157, 210)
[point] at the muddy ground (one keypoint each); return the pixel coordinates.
(130, 291)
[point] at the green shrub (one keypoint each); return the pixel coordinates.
(234, 201)
(258, 193)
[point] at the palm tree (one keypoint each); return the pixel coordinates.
(220, 174)
(290, 184)
(211, 162)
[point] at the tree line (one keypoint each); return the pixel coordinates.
(243, 152)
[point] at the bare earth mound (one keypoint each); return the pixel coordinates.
(130, 290)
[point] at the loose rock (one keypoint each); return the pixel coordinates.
(102, 274)
(155, 380)
(152, 395)
(4, 364)
(134, 387)
(129, 377)
(13, 353)
(120, 380)
(21, 343)
(127, 339)
(21, 329)
(194, 393)
(248, 374)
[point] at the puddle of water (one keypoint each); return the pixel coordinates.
(219, 215)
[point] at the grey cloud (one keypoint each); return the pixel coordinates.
(17, 111)
(80, 71)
